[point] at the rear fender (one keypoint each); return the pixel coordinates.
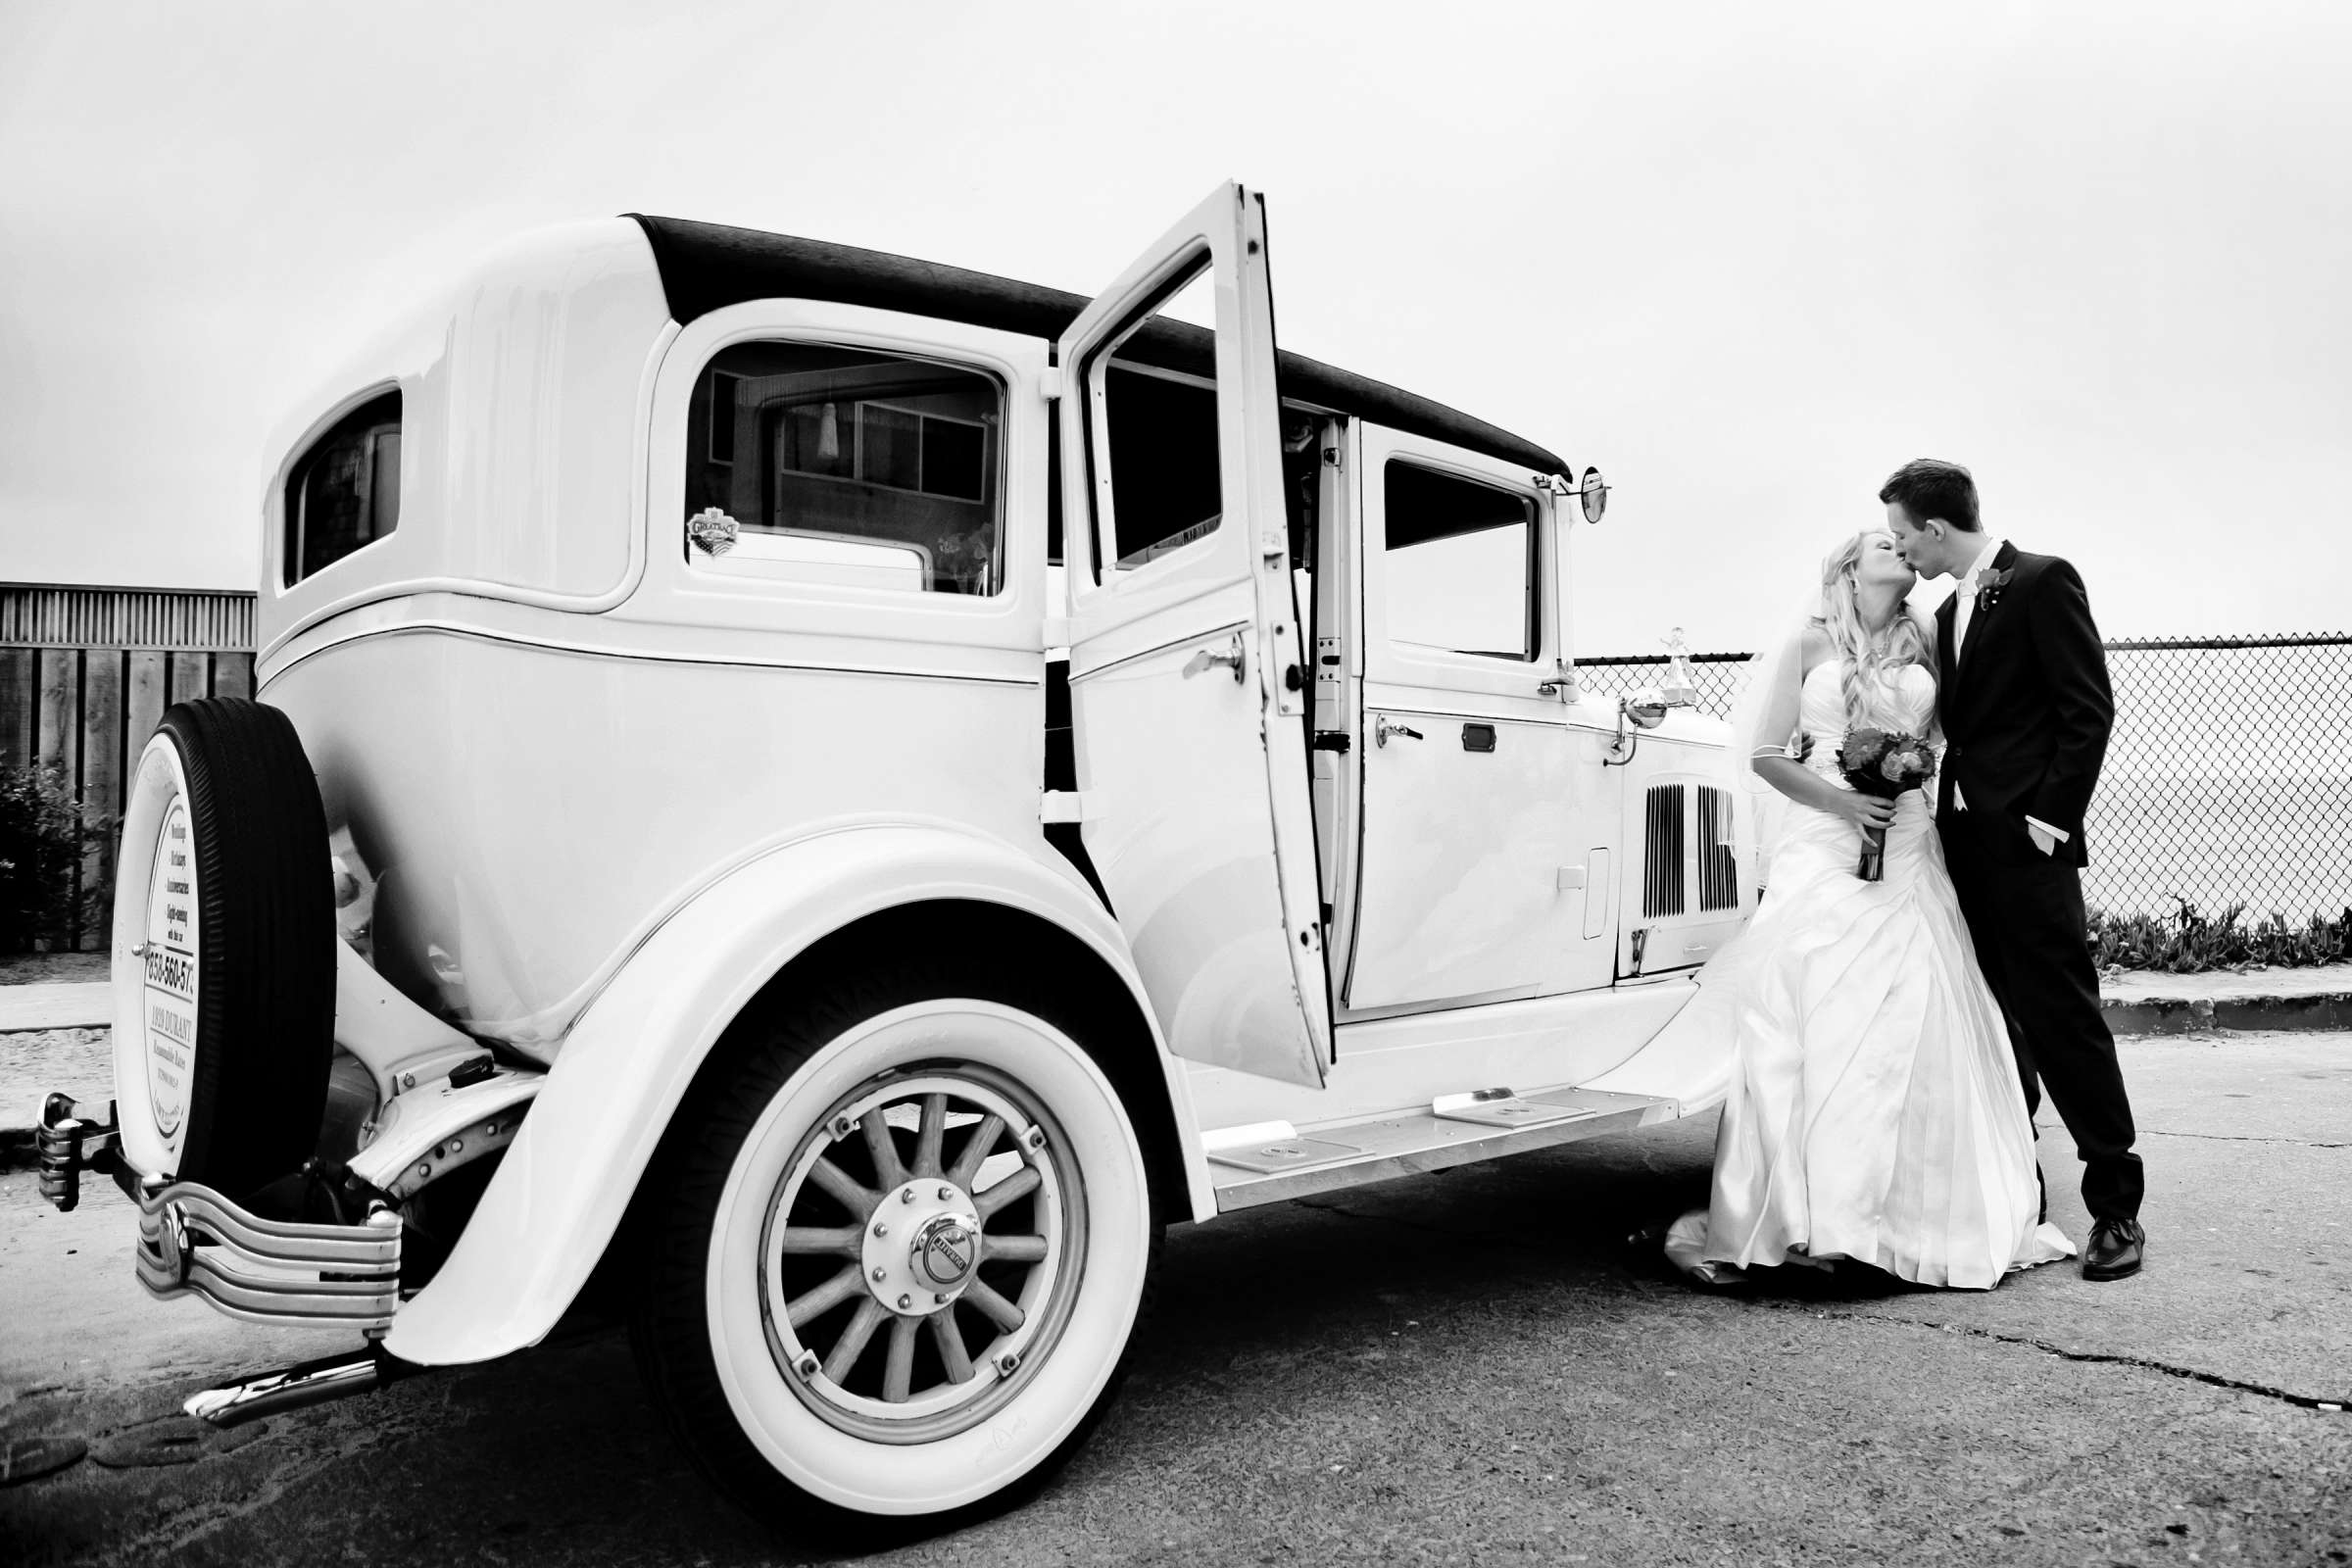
(561, 1191)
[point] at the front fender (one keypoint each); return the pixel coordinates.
(560, 1194)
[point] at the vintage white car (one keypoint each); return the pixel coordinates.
(859, 792)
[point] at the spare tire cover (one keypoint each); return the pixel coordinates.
(224, 951)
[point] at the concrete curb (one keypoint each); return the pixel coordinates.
(2186, 1015)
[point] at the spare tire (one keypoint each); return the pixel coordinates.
(224, 951)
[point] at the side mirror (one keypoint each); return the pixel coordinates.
(1590, 491)
(1596, 494)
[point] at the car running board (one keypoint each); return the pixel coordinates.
(1270, 1163)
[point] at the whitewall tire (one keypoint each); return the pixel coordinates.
(894, 1271)
(224, 951)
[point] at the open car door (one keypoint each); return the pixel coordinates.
(1188, 687)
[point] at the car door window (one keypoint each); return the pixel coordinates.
(1159, 436)
(1460, 564)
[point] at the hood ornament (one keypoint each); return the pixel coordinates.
(1681, 687)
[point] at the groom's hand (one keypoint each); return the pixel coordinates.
(2042, 840)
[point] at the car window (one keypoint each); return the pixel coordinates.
(1460, 564)
(1157, 431)
(1165, 483)
(344, 491)
(851, 466)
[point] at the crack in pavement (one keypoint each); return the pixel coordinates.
(2306, 1401)
(2239, 1137)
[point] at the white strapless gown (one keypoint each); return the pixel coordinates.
(1875, 1112)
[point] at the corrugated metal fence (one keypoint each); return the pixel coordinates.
(84, 675)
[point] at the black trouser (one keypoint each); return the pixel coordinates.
(2026, 918)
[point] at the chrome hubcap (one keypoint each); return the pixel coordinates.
(946, 1250)
(921, 1249)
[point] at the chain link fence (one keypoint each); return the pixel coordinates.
(1718, 677)
(2228, 780)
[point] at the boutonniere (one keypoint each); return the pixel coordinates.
(1989, 583)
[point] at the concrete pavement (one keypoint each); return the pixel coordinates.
(55, 1005)
(1462, 1368)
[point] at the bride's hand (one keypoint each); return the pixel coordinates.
(1864, 811)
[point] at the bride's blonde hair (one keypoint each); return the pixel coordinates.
(1867, 661)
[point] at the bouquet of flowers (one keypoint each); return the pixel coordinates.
(1878, 763)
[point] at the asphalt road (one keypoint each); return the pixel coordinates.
(1463, 1368)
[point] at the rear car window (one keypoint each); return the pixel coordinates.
(853, 465)
(344, 492)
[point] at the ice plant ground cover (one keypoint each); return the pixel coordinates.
(2187, 941)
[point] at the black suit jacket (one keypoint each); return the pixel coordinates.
(2026, 705)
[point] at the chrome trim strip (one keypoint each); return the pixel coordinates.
(1161, 648)
(592, 651)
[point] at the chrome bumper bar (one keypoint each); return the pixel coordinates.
(266, 1270)
(193, 1239)
(70, 1144)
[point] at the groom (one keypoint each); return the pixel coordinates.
(2023, 695)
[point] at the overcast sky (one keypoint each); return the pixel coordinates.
(1744, 259)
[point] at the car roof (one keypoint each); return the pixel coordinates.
(706, 267)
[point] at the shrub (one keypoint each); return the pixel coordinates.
(44, 831)
(2187, 940)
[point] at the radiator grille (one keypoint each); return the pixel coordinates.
(1718, 866)
(1662, 891)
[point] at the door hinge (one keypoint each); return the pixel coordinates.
(1058, 631)
(1069, 805)
(1049, 384)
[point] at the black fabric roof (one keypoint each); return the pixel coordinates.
(705, 266)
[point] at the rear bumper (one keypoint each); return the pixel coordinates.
(194, 1240)
(264, 1270)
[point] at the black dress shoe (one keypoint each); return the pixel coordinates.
(2115, 1250)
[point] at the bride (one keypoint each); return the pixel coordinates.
(1875, 1110)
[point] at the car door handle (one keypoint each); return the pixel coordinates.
(1382, 729)
(1210, 658)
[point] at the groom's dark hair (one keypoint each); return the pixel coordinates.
(1928, 488)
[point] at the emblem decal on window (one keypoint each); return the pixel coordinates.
(712, 530)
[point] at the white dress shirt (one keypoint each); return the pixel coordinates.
(1964, 611)
(1966, 588)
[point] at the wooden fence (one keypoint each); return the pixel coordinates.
(84, 675)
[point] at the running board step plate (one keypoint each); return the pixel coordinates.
(1380, 1149)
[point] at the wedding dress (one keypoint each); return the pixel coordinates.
(1875, 1112)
